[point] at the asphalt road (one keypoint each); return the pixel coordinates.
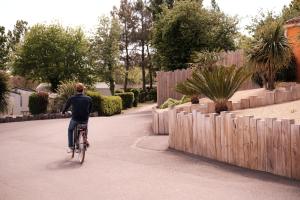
(124, 162)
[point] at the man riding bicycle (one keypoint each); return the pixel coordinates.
(81, 109)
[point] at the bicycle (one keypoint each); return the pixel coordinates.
(80, 141)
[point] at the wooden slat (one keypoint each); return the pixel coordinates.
(230, 135)
(224, 137)
(247, 140)
(269, 139)
(199, 138)
(245, 103)
(211, 136)
(262, 145)
(189, 146)
(276, 140)
(235, 142)
(295, 148)
(240, 142)
(253, 158)
(218, 138)
(285, 148)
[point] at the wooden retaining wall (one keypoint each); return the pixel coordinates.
(290, 93)
(268, 145)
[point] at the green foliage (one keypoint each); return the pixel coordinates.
(96, 99)
(105, 51)
(188, 28)
(218, 83)
(4, 91)
(184, 89)
(127, 99)
(111, 105)
(136, 93)
(152, 95)
(143, 96)
(65, 90)
(38, 103)
(3, 48)
(173, 102)
(291, 11)
(119, 91)
(51, 53)
(270, 53)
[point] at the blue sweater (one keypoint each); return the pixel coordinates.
(81, 107)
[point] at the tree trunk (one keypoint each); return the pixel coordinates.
(112, 86)
(150, 67)
(127, 58)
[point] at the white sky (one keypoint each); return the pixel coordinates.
(86, 12)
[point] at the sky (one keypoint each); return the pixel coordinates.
(85, 13)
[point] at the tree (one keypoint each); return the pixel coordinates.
(215, 6)
(188, 27)
(53, 54)
(128, 25)
(270, 53)
(142, 35)
(4, 91)
(105, 49)
(3, 48)
(217, 83)
(291, 11)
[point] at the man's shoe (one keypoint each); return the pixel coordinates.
(70, 150)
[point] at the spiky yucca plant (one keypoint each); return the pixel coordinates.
(269, 54)
(185, 90)
(4, 91)
(218, 83)
(64, 91)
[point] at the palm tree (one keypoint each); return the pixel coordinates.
(218, 83)
(4, 91)
(269, 54)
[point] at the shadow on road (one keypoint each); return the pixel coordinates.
(66, 163)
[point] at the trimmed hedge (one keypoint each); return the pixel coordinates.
(38, 103)
(119, 91)
(136, 93)
(127, 99)
(96, 99)
(110, 105)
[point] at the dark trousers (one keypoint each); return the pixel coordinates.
(71, 128)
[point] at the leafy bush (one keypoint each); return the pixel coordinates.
(127, 99)
(119, 91)
(143, 96)
(4, 91)
(136, 93)
(64, 91)
(38, 103)
(152, 95)
(111, 105)
(96, 99)
(173, 102)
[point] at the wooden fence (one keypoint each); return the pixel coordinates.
(160, 119)
(167, 81)
(268, 145)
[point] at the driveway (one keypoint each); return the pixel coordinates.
(123, 162)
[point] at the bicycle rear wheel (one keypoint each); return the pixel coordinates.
(81, 147)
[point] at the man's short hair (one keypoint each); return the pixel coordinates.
(79, 87)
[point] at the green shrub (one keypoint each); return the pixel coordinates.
(4, 91)
(127, 99)
(136, 93)
(142, 96)
(119, 91)
(96, 99)
(38, 103)
(152, 95)
(111, 105)
(173, 102)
